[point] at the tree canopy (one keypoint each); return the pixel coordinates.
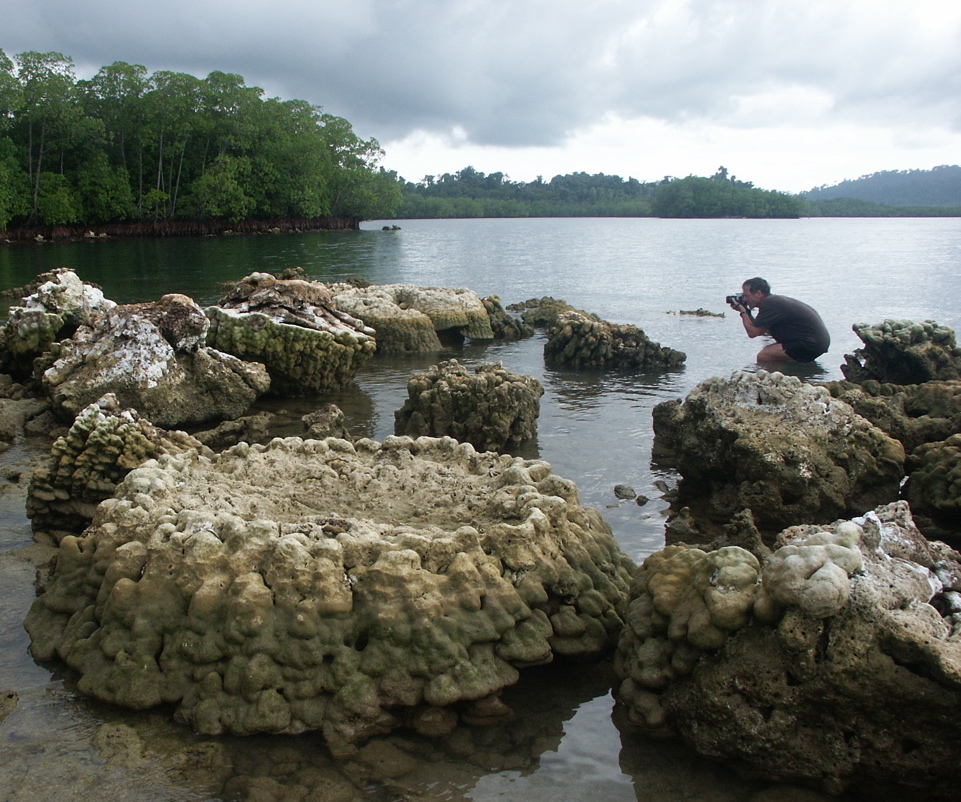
(126, 145)
(469, 193)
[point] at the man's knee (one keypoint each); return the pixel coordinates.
(773, 353)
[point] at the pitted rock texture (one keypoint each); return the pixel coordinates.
(152, 358)
(312, 584)
(60, 302)
(407, 317)
(904, 352)
(293, 327)
(579, 341)
(787, 451)
(912, 413)
(102, 446)
(934, 485)
(544, 312)
(503, 325)
(840, 667)
(491, 408)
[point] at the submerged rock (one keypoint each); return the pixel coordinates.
(407, 318)
(152, 357)
(579, 341)
(293, 327)
(835, 662)
(786, 450)
(903, 352)
(491, 408)
(318, 585)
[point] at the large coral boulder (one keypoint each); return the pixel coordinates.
(491, 408)
(904, 352)
(786, 450)
(293, 327)
(836, 662)
(912, 413)
(407, 318)
(579, 341)
(102, 446)
(59, 303)
(314, 584)
(152, 357)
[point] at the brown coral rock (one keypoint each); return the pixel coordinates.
(318, 585)
(104, 443)
(842, 666)
(491, 408)
(783, 449)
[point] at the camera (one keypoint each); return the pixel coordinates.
(731, 300)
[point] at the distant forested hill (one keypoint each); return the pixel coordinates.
(470, 193)
(940, 186)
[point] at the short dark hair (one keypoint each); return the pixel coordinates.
(758, 285)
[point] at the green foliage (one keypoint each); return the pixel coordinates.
(939, 186)
(721, 196)
(469, 193)
(219, 192)
(128, 145)
(104, 190)
(57, 201)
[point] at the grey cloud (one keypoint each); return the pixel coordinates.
(527, 72)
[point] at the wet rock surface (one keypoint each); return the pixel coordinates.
(489, 407)
(836, 661)
(787, 451)
(318, 585)
(58, 302)
(904, 352)
(579, 341)
(293, 327)
(152, 358)
(87, 463)
(407, 318)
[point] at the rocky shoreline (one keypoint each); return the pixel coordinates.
(804, 620)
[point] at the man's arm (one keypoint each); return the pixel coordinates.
(749, 326)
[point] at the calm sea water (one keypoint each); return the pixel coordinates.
(594, 428)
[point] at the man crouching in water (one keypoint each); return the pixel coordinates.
(798, 330)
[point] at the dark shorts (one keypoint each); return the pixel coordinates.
(801, 352)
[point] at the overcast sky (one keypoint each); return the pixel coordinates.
(789, 94)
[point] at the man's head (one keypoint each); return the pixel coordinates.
(755, 290)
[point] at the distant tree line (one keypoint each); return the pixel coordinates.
(128, 146)
(937, 187)
(469, 193)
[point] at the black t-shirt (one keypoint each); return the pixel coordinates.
(795, 325)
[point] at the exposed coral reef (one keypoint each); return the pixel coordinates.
(291, 326)
(912, 413)
(544, 312)
(152, 357)
(579, 341)
(787, 451)
(903, 352)
(312, 584)
(503, 325)
(837, 662)
(59, 303)
(491, 408)
(102, 446)
(407, 317)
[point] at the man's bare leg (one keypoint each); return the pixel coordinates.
(773, 353)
